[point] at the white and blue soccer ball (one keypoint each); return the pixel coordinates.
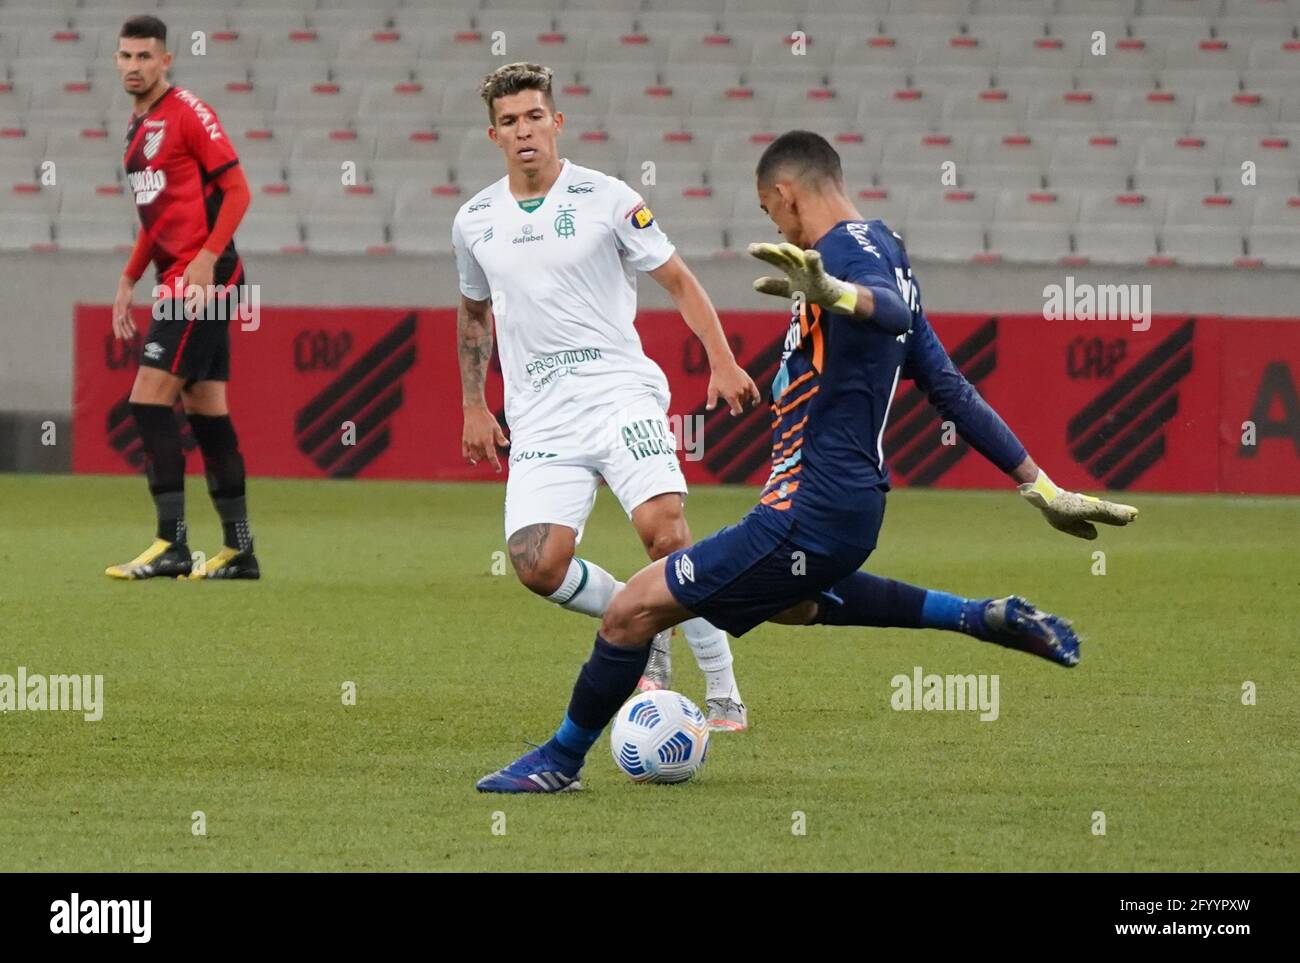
(659, 736)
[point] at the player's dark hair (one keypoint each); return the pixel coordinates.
(513, 78)
(803, 155)
(144, 27)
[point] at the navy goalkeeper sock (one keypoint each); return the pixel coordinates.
(606, 681)
(866, 599)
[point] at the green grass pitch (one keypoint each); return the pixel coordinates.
(226, 698)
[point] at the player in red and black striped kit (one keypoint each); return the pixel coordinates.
(191, 194)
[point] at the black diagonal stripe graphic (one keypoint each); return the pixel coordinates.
(908, 459)
(1144, 429)
(1139, 463)
(384, 408)
(930, 473)
(353, 405)
(404, 330)
(737, 447)
(1149, 364)
(363, 454)
(1132, 408)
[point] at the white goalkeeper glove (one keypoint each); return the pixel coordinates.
(804, 272)
(1071, 512)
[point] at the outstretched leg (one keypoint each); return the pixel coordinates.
(870, 600)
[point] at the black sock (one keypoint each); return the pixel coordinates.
(164, 467)
(865, 599)
(225, 470)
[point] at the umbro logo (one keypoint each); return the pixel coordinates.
(685, 569)
(153, 350)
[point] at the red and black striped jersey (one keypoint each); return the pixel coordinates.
(174, 152)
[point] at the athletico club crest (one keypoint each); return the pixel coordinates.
(153, 141)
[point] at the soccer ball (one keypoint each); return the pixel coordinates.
(659, 736)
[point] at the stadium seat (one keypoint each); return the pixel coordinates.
(1115, 243)
(995, 109)
(420, 235)
(1036, 207)
(1073, 109)
(1092, 160)
(76, 104)
(953, 241)
(819, 108)
(87, 157)
(318, 158)
(1178, 156)
(1202, 246)
(347, 221)
(906, 108)
(315, 105)
(957, 61)
(734, 107)
(1009, 152)
(948, 205)
(888, 204)
(1127, 209)
(262, 232)
(852, 52)
(918, 158)
(342, 19)
(661, 105)
(25, 230)
(1144, 111)
(404, 105)
(1029, 243)
(698, 240)
(1237, 112)
(1276, 161)
(806, 60)
(1059, 54)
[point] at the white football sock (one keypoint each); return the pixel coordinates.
(713, 653)
(587, 588)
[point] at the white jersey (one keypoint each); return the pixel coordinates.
(562, 280)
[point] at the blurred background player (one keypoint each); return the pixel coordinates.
(861, 326)
(190, 194)
(549, 252)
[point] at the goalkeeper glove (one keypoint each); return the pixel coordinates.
(804, 272)
(1071, 512)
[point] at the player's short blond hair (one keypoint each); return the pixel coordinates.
(511, 79)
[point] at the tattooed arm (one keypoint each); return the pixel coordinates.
(481, 435)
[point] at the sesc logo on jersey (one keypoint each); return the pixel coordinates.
(641, 216)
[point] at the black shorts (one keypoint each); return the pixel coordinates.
(192, 348)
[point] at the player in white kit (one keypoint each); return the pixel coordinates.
(551, 251)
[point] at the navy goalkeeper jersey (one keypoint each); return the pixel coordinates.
(831, 396)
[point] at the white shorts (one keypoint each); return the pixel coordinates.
(554, 474)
